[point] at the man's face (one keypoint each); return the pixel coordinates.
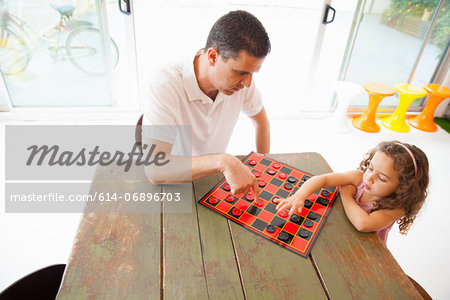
(234, 74)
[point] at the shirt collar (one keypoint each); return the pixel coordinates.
(190, 81)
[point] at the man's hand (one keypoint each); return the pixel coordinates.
(239, 177)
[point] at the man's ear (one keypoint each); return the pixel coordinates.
(213, 56)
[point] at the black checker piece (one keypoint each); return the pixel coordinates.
(285, 170)
(307, 204)
(304, 234)
(305, 177)
(322, 201)
(313, 216)
(253, 210)
(270, 228)
(265, 195)
(330, 189)
(288, 186)
(265, 162)
(270, 207)
(277, 221)
(308, 223)
(325, 193)
(296, 219)
(259, 224)
(292, 179)
(282, 193)
(285, 237)
(276, 182)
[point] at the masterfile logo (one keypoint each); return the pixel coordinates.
(101, 168)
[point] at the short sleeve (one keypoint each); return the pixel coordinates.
(252, 103)
(159, 113)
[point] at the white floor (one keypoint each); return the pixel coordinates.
(31, 241)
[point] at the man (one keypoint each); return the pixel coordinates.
(208, 92)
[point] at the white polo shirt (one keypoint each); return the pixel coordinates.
(174, 98)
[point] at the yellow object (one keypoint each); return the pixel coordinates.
(408, 93)
(436, 94)
(377, 92)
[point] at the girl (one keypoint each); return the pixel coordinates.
(390, 185)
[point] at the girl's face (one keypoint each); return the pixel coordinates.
(380, 178)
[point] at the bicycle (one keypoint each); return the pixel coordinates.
(83, 47)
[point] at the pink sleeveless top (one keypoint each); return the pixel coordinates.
(383, 233)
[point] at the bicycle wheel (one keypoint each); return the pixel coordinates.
(14, 53)
(84, 48)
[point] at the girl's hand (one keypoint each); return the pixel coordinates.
(294, 204)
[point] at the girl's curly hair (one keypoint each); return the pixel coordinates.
(412, 189)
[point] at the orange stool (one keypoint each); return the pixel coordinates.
(377, 92)
(408, 93)
(436, 94)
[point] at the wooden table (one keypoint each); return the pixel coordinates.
(201, 255)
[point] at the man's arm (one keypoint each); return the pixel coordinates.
(262, 130)
(181, 169)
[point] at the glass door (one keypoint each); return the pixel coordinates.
(59, 53)
(169, 29)
(396, 41)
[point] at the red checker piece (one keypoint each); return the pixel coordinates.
(282, 175)
(236, 212)
(250, 197)
(271, 171)
(213, 200)
(261, 183)
(284, 213)
(276, 166)
(257, 173)
(259, 203)
(252, 162)
(229, 198)
(227, 187)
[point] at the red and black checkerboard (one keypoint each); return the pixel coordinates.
(277, 180)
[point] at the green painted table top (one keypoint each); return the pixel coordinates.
(201, 255)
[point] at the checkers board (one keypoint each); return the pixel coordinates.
(276, 180)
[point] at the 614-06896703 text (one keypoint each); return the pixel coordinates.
(101, 197)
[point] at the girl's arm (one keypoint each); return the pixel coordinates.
(296, 201)
(363, 221)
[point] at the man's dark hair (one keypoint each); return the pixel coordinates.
(238, 31)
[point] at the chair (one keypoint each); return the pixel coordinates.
(436, 94)
(138, 133)
(41, 284)
(377, 92)
(408, 93)
(346, 92)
